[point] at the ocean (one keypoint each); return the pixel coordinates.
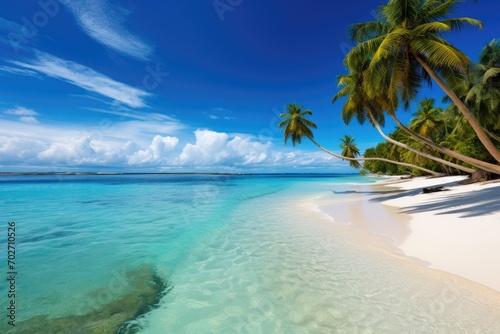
(201, 253)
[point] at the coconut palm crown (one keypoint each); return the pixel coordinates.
(350, 150)
(405, 40)
(296, 125)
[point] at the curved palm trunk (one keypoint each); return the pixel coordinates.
(492, 135)
(409, 148)
(474, 162)
(428, 171)
(481, 134)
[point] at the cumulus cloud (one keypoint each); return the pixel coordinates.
(86, 78)
(20, 150)
(104, 23)
(156, 152)
(25, 115)
(216, 148)
(74, 151)
(118, 146)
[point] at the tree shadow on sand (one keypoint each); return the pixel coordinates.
(470, 204)
(380, 192)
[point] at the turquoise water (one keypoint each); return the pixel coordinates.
(215, 254)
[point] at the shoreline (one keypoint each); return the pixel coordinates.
(455, 231)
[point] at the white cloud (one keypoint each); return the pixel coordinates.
(136, 115)
(18, 71)
(72, 151)
(26, 115)
(219, 113)
(220, 149)
(12, 34)
(17, 150)
(140, 144)
(9, 26)
(156, 152)
(209, 149)
(103, 23)
(21, 111)
(118, 144)
(28, 119)
(86, 78)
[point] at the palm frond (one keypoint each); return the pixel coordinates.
(431, 27)
(437, 9)
(440, 53)
(391, 42)
(491, 73)
(361, 32)
(457, 24)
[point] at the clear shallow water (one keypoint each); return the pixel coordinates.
(216, 254)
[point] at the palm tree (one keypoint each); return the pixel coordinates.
(405, 43)
(484, 93)
(350, 150)
(428, 120)
(296, 126)
(472, 161)
(360, 105)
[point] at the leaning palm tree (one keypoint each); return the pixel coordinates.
(296, 127)
(406, 42)
(361, 106)
(350, 150)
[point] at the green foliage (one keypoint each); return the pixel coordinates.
(380, 167)
(296, 125)
(399, 52)
(350, 150)
(406, 34)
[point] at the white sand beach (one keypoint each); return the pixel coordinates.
(457, 230)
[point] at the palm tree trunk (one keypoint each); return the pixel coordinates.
(474, 162)
(428, 171)
(481, 134)
(409, 148)
(492, 135)
(446, 169)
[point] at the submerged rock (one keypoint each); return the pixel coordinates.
(117, 316)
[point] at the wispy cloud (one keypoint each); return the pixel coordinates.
(25, 115)
(85, 78)
(9, 26)
(221, 111)
(17, 71)
(103, 22)
(136, 115)
(12, 34)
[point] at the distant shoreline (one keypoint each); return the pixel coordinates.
(172, 173)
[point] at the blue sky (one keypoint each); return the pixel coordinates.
(172, 86)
